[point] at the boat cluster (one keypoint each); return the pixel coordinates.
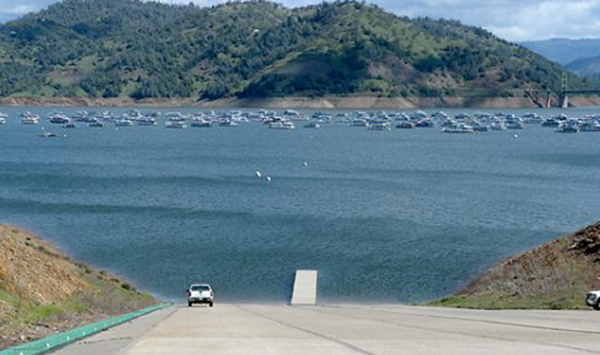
(172, 119)
(288, 119)
(466, 123)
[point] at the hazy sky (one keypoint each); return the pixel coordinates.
(510, 19)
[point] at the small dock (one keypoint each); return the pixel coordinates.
(305, 288)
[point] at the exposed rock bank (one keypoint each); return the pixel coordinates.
(330, 102)
(42, 291)
(556, 275)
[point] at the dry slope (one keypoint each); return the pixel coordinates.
(556, 275)
(43, 291)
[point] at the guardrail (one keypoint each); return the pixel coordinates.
(58, 340)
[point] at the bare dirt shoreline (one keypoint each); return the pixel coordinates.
(329, 102)
(42, 291)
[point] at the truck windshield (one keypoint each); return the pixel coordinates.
(200, 288)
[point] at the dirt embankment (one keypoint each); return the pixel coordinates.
(556, 275)
(330, 102)
(42, 291)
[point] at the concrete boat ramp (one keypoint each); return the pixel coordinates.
(347, 329)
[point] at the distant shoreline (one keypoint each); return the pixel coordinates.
(298, 102)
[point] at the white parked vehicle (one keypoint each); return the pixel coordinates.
(200, 293)
(592, 299)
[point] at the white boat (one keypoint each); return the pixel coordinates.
(227, 123)
(175, 124)
(440, 115)
(314, 124)
(123, 122)
(175, 116)
(425, 123)
(532, 118)
(106, 116)
(570, 126)
(514, 124)
(58, 118)
(480, 127)
(359, 122)
(80, 115)
(256, 117)
(458, 128)
(281, 125)
(550, 122)
(96, 124)
(49, 135)
(146, 121)
(200, 122)
(294, 115)
(405, 125)
(593, 126)
(379, 126)
(418, 115)
(30, 120)
(133, 115)
(498, 126)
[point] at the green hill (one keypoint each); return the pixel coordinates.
(588, 67)
(564, 50)
(137, 49)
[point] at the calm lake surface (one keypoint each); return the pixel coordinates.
(399, 216)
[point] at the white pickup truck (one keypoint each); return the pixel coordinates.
(592, 299)
(200, 293)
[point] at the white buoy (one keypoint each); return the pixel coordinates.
(64, 136)
(258, 174)
(305, 164)
(268, 179)
(516, 136)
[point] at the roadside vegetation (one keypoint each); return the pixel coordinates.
(43, 291)
(556, 275)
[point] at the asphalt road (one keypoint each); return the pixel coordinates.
(348, 329)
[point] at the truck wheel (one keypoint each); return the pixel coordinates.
(597, 306)
(210, 304)
(189, 304)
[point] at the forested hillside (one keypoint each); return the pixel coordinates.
(589, 67)
(131, 48)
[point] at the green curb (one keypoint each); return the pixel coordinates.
(58, 340)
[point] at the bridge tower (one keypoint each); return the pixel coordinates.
(563, 98)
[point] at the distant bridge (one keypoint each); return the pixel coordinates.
(543, 98)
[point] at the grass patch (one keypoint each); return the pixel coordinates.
(37, 314)
(10, 299)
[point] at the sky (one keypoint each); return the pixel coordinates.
(514, 20)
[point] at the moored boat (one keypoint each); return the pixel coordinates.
(458, 128)
(175, 124)
(313, 124)
(281, 125)
(123, 122)
(405, 125)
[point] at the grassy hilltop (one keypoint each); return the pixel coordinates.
(556, 275)
(142, 50)
(43, 291)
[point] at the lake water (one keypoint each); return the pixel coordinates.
(398, 216)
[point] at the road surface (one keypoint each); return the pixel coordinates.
(348, 329)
